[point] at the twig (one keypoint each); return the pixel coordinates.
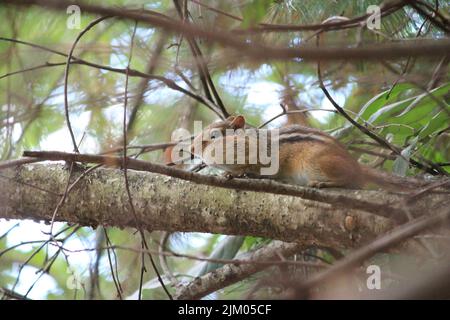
(13, 295)
(114, 271)
(94, 267)
(386, 9)
(35, 252)
(9, 230)
(363, 129)
(152, 64)
(373, 153)
(143, 148)
(62, 199)
(66, 76)
(46, 65)
(405, 69)
(69, 188)
(163, 258)
(205, 76)
(124, 164)
(285, 112)
(131, 73)
(420, 193)
(441, 25)
(257, 51)
(270, 262)
(17, 162)
(47, 267)
(127, 184)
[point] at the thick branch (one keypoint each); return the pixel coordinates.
(165, 203)
(391, 207)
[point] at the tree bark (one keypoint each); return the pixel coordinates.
(166, 203)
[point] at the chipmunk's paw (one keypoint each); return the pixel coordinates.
(228, 175)
(322, 184)
(314, 184)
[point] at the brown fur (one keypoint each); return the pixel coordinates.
(307, 156)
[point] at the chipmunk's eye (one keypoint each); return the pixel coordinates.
(215, 134)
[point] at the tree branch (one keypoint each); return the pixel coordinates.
(231, 273)
(164, 203)
(390, 207)
(257, 51)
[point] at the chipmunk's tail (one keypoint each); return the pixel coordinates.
(391, 181)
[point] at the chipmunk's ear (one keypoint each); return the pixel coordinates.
(238, 122)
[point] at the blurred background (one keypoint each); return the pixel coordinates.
(404, 100)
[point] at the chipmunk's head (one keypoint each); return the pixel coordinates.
(215, 131)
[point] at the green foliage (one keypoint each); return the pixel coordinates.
(48, 121)
(32, 108)
(254, 242)
(415, 111)
(382, 99)
(254, 11)
(401, 162)
(226, 250)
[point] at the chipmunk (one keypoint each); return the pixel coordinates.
(306, 156)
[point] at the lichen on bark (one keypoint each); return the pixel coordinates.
(166, 203)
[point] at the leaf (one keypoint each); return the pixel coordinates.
(252, 242)
(437, 123)
(389, 111)
(381, 99)
(402, 112)
(226, 249)
(401, 163)
(373, 106)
